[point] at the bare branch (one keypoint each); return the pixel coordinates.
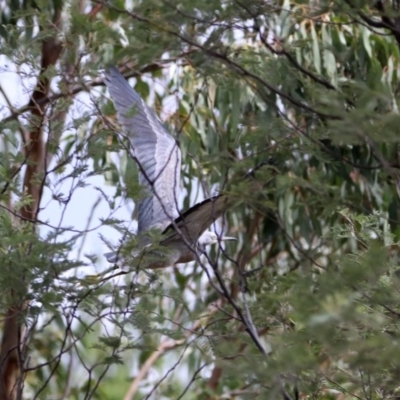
(164, 347)
(11, 360)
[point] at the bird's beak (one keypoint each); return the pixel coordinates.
(228, 238)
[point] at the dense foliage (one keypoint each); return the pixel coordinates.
(291, 108)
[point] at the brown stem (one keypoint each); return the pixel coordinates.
(164, 346)
(12, 346)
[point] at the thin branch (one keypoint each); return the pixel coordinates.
(282, 51)
(230, 63)
(12, 109)
(45, 99)
(162, 348)
(172, 368)
(12, 349)
(191, 381)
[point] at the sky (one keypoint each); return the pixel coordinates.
(76, 213)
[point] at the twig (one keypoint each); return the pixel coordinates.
(162, 348)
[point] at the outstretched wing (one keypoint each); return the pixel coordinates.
(155, 150)
(193, 222)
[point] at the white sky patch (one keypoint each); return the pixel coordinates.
(80, 206)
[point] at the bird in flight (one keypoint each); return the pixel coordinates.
(158, 157)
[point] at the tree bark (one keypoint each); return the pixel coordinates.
(13, 343)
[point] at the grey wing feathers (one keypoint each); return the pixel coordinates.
(155, 150)
(193, 222)
(112, 257)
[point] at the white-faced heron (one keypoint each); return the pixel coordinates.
(159, 160)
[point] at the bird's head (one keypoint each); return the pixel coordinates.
(208, 238)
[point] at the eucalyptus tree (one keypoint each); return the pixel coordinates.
(305, 303)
